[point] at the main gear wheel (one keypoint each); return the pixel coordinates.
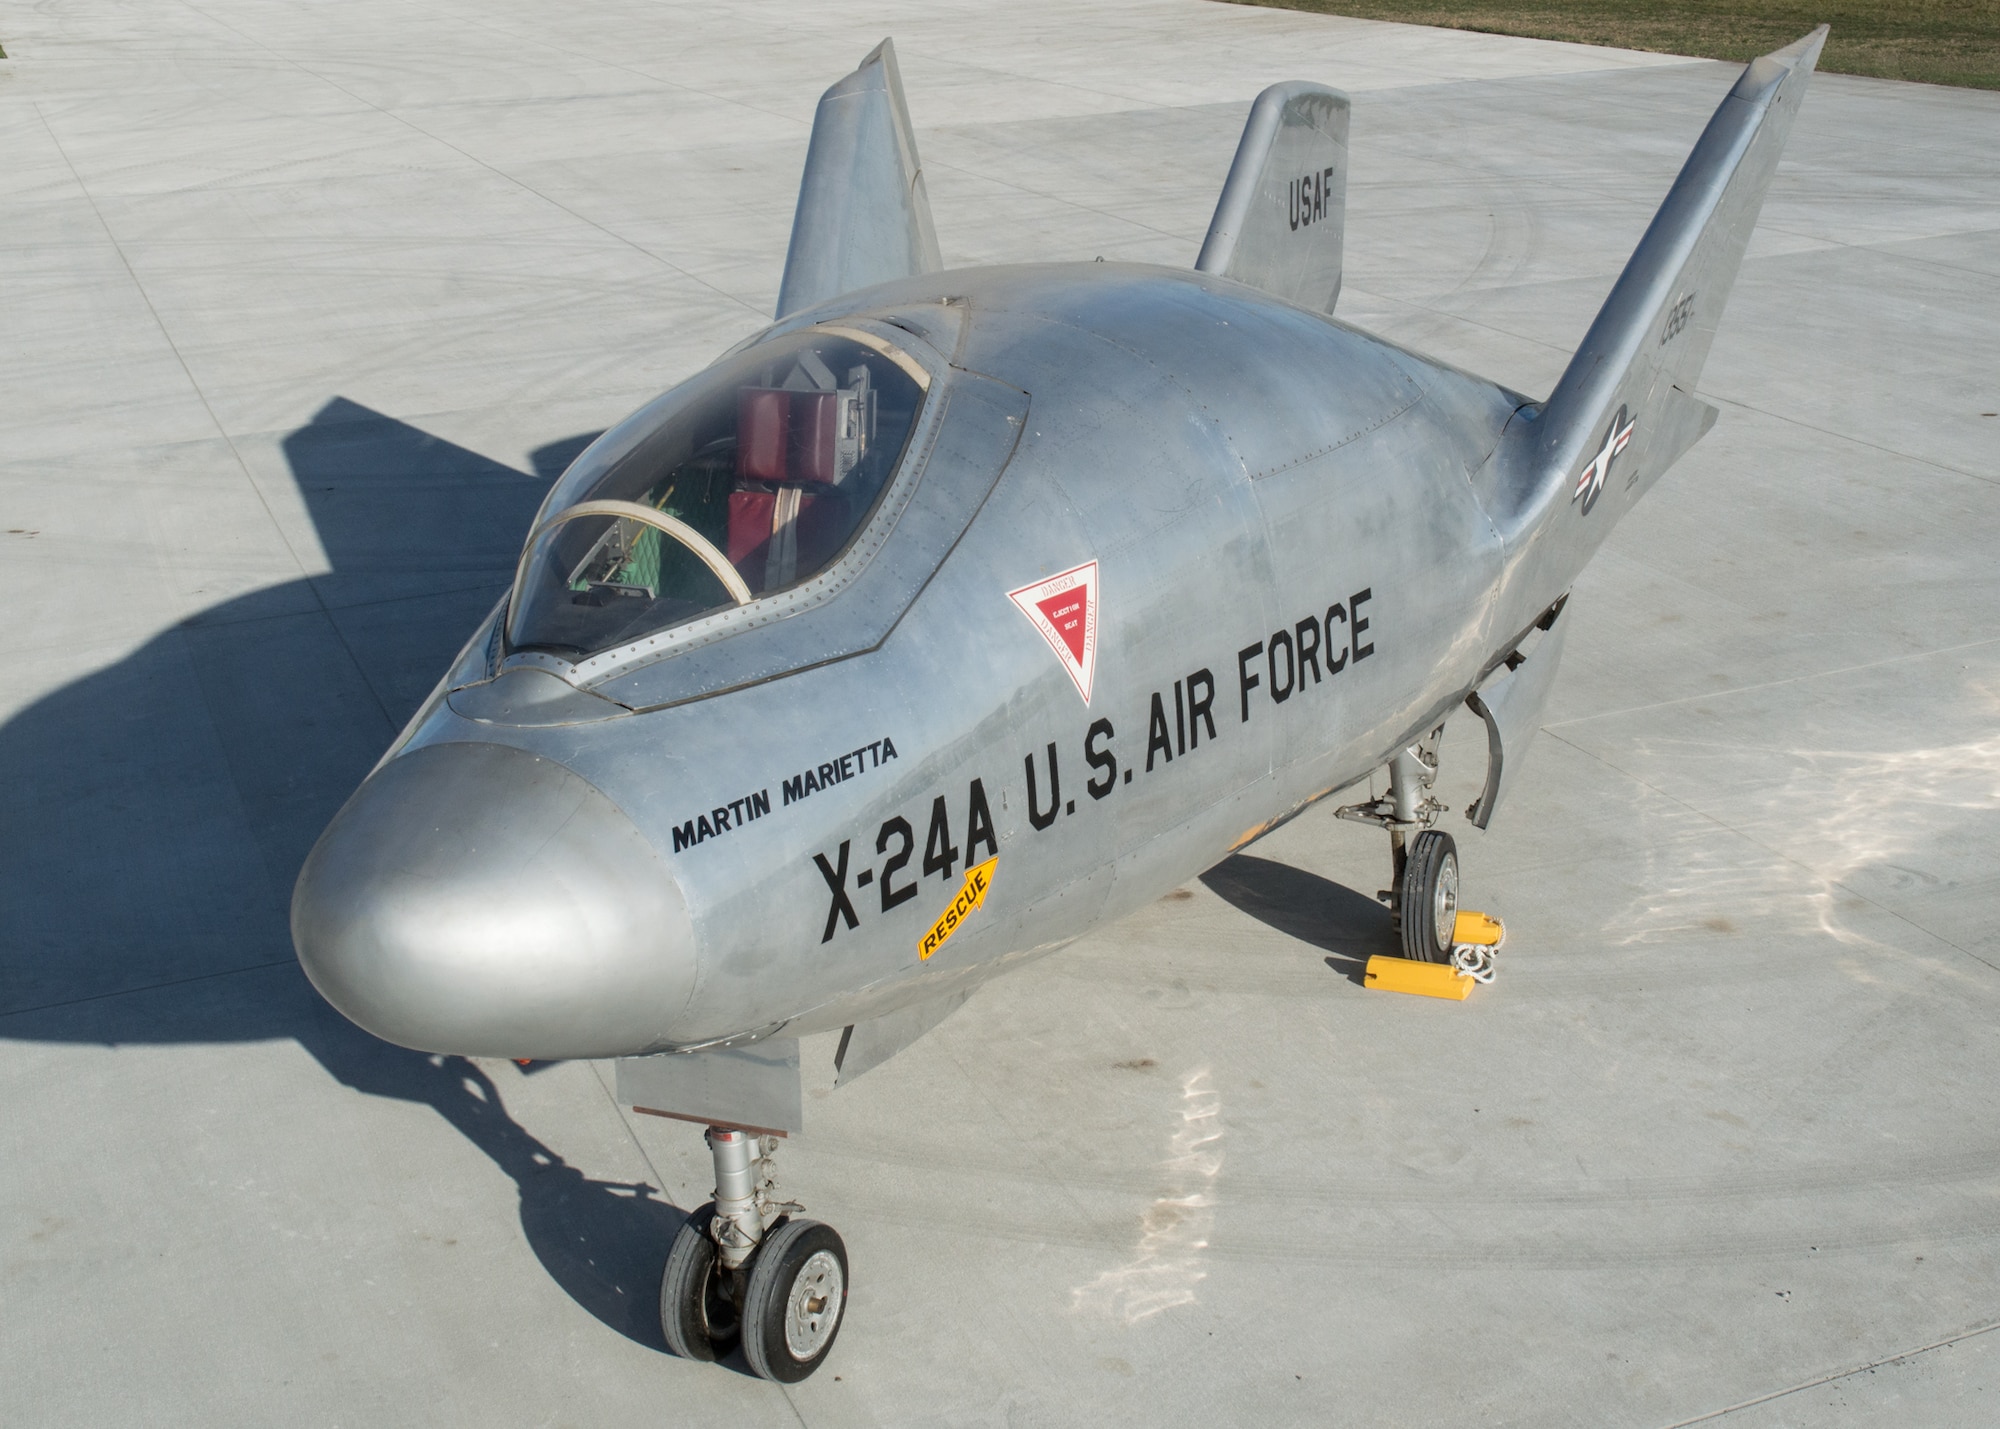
(1428, 897)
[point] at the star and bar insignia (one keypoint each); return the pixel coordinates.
(1590, 481)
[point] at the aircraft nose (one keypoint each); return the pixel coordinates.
(480, 900)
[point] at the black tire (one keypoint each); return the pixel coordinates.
(696, 1313)
(1429, 897)
(795, 1301)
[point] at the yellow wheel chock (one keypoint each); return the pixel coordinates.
(1475, 938)
(1480, 929)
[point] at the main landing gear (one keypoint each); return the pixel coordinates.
(748, 1269)
(1423, 893)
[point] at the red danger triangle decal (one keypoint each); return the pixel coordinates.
(1064, 609)
(1067, 613)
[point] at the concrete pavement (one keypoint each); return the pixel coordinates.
(305, 304)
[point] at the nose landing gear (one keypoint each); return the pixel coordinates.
(748, 1269)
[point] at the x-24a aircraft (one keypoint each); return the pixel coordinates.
(962, 611)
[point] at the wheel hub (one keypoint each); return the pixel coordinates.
(813, 1308)
(1444, 903)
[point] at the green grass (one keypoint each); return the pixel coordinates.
(1931, 41)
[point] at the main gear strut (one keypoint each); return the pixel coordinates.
(1423, 891)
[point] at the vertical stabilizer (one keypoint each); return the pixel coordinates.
(863, 217)
(1279, 223)
(1624, 409)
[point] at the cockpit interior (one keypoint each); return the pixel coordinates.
(743, 486)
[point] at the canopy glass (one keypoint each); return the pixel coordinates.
(748, 481)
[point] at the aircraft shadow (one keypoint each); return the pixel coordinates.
(161, 807)
(1349, 926)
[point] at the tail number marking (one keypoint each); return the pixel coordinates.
(1678, 317)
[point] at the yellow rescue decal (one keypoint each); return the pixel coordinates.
(978, 879)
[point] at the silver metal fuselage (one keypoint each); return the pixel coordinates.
(1257, 484)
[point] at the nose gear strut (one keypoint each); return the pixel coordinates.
(744, 1184)
(748, 1268)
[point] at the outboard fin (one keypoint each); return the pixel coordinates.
(863, 217)
(1279, 223)
(1624, 403)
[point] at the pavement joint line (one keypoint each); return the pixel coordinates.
(1887, 247)
(1938, 264)
(1851, 439)
(1140, 104)
(929, 165)
(1022, 189)
(166, 335)
(1840, 1374)
(151, 987)
(618, 1110)
(112, 651)
(244, 804)
(524, 186)
(484, 22)
(1552, 727)
(735, 100)
(197, 621)
(1776, 853)
(1469, 290)
(1460, 318)
(1035, 1145)
(1798, 422)
(611, 1095)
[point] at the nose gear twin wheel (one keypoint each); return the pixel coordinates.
(794, 1295)
(793, 1303)
(1428, 898)
(696, 1312)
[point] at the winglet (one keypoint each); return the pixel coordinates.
(1279, 223)
(863, 217)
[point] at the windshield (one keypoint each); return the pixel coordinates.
(756, 478)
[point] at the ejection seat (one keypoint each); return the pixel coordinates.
(794, 446)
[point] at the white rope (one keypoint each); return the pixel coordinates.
(1475, 960)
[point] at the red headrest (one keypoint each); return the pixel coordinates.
(786, 436)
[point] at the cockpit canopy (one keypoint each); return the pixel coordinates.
(748, 481)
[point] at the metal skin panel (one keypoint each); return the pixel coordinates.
(1280, 222)
(477, 896)
(755, 1087)
(1235, 467)
(1121, 462)
(530, 696)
